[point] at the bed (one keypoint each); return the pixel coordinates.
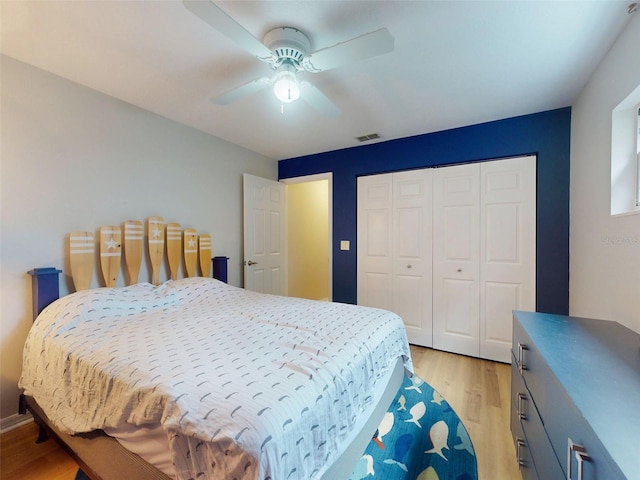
(199, 379)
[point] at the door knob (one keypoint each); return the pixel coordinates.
(251, 262)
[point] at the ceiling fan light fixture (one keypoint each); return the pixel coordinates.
(287, 51)
(285, 84)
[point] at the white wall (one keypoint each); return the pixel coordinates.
(605, 250)
(74, 159)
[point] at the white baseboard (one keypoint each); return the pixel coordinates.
(14, 421)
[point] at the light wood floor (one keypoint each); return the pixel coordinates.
(478, 390)
(22, 459)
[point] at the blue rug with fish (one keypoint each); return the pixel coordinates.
(419, 438)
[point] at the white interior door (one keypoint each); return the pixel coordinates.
(507, 250)
(374, 241)
(412, 240)
(265, 262)
(456, 252)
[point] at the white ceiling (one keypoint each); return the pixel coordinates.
(455, 63)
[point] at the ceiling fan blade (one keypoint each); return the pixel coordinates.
(242, 91)
(210, 13)
(359, 48)
(318, 100)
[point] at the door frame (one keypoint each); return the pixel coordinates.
(314, 178)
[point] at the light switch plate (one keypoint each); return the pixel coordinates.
(345, 245)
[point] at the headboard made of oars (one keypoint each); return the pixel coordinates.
(160, 236)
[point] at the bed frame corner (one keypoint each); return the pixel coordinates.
(45, 286)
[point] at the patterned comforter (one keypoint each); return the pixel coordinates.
(246, 385)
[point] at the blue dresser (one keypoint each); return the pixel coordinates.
(575, 398)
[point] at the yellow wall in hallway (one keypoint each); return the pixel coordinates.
(308, 239)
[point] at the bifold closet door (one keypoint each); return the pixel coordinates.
(412, 244)
(452, 250)
(456, 255)
(484, 254)
(507, 250)
(394, 248)
(374, 241)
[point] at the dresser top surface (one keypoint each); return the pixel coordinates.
(598, 364)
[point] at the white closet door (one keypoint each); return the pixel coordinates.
(507, 250)
(412, 240)
(456, 253)
(452, 250)
(374, 241)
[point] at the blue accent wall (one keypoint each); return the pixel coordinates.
(545, 134)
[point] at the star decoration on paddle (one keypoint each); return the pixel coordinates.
(111, 244)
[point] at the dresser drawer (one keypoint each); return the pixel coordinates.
(523, 456)
(544, 458)
(563, 421)
(532, 366)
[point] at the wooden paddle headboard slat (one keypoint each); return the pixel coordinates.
(190, 251)
(205, 254)
(155, 233)
(174, 248)
(110, 253)
(133, 236)
(81, 258)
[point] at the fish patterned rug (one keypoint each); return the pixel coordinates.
(419, 438)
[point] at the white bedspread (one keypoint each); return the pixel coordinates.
(246, 385)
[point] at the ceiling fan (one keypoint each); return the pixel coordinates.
(288, 51)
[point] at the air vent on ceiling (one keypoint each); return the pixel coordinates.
(366, 138)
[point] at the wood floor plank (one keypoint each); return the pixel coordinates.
(492, 385)
(478, 390)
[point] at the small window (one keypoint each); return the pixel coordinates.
(625, 155)
(638, 157)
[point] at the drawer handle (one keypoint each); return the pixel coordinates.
(581, 455)
(520, 444)
(521, 365)
(520, 410)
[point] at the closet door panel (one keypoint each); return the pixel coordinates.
(408, 302)
(455, 259)
(377, 245)
(508, 256)
(459, 308)
(500, 299)
(376, 290)
(412, 237)
(374, 241)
